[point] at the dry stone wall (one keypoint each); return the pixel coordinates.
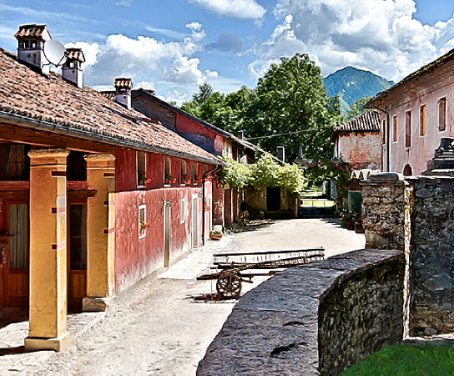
(432, 256)
(315, 319)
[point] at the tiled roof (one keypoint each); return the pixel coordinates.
(368, 121)
(75, 54)
(123, 83)
(59, 106)
(32, 30)
(420, 72)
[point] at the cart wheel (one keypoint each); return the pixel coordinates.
(229, 285)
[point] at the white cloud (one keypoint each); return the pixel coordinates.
(125, 3)
(248, 9)
(170, 67)
(166, 32)
(382, 36)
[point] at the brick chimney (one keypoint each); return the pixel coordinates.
(280, 153)
(31, 39)
(72, 69)
(123, 88)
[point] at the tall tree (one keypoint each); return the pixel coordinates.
(291, 100)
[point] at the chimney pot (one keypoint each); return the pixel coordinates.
(30, 43)
(123, 88)
(72, 69)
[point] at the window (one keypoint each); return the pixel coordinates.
(442, 114)
(167, 171)
(183, 173)
(141, 168)
(384, 132)
(422, 120)
(183, 210)
(408, 129)
(14, 163)
(395, 128)
(142, 221)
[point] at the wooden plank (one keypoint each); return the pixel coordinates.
(285, 251)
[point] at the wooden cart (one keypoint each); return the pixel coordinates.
(234, 265)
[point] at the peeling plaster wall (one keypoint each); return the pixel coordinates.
(361, 150)
(135, 258)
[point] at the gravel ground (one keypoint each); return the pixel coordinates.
(164, 324)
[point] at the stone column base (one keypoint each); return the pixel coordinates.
(91, 304)
(56, 344)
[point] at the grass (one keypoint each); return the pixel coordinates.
(317, 203)
(407, 360)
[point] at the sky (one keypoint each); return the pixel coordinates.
(173, 46)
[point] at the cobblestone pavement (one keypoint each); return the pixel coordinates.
(163, 325)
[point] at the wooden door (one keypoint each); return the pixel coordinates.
(166, 233)
(77, 255)
(17, 281)
(273, 199)
(195, 224)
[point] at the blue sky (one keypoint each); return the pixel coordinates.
(175, 45)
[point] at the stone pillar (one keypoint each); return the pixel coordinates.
(386, 211)
(48, 271)
(432, 247)
(100, 232)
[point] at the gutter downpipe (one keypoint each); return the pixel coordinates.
(204, 176)
(387, 137)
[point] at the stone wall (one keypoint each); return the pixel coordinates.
(386, 211)
(432, 256)
(314, 319)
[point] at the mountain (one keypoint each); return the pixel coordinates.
(352, 84)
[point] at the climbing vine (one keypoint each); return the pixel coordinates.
(266, 172)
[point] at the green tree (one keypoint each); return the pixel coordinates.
(291, 99)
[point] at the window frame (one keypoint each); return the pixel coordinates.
(408, 120)
(139, 155)
(442, 126)
(395, 129)
(167, 171)
(422, 120)
(142, 221)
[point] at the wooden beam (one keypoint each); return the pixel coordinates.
(16, 133)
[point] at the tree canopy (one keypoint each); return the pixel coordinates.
(288, 107)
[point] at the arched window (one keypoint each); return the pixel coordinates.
(407, 170)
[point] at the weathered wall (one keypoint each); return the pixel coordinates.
(198, 134)
(134, 257)
(361, 150)
(432, 256)
(386, 211)
(153, 109)
(325, 315)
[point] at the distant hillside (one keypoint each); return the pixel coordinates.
(352, 84)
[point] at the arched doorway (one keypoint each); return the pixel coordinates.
(407, 170)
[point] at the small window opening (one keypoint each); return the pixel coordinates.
(141, 168)
(143, 225)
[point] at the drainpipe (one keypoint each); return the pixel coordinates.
(204, 176)
(387, 137)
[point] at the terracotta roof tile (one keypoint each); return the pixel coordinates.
(84, 112)
(31, 30)
(368, 121)
(75, 54)
(123, 83)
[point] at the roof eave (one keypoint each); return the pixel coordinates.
(28, 122)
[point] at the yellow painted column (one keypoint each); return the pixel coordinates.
(100, 232)
(48, 273)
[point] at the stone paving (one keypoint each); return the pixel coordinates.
(164, 324)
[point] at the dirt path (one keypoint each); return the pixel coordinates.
(162, 327)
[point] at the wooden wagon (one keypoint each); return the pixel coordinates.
(233, 267)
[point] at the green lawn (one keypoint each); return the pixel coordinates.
(406, 360)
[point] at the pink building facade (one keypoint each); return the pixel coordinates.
(416, 114)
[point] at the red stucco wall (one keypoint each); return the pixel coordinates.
(134, 257)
